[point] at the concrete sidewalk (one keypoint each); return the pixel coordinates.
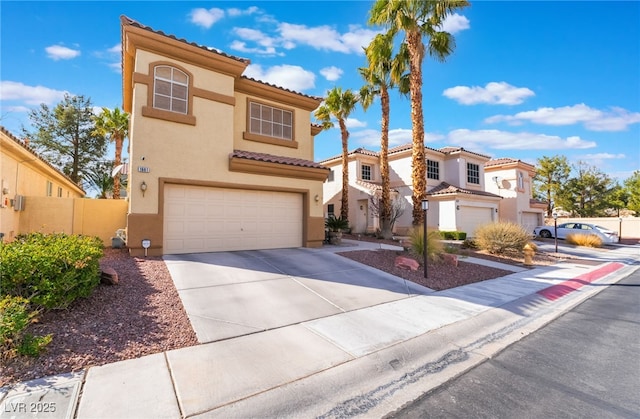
(366, 362)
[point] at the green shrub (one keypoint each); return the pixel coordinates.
(586, 240)
(15, 317)
(51, 271)
(453, 235)
(469, 244)
(502, 237)
(334, 223)
(434, 246)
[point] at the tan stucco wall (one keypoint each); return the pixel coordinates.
(23, 173)
(90, 217)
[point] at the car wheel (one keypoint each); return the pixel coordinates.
(545, 234)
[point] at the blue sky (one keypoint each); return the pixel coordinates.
(527, 79)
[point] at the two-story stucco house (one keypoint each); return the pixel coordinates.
(458, 200)
(25, 175)
(219, 161)
(513, 180)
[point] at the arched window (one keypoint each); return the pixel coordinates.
(170, 89)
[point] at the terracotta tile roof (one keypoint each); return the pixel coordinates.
(408, 146)
(359, 150)
(450, 150)
(504, 160)
(373, 187)
(445, 188)
(282, 88)
(269, 158)
(537, 202)
(32, 151)
(130, 22)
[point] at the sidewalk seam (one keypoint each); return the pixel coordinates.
(173, 384)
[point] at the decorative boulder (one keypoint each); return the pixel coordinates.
(450, 259)
(403, 262)
(109, 276)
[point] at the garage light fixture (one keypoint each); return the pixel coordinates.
(143, 187)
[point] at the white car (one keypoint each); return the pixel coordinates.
(607, 236)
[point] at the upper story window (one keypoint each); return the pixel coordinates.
(473, 173)
(365, 172)
(520, 181)
(49, 188)
(59, 192)
(331, 177)
(433, 170)
(170, 89)
(271, 122)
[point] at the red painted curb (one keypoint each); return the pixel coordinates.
(556, 291)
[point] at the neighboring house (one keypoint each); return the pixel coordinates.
(24, 175)
(456, 191)
(513, 180)
(219, 161)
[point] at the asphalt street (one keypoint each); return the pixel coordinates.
(584, 364)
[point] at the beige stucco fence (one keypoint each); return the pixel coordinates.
(90, 217)
(630, 226)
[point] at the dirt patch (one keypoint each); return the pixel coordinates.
(141, 315)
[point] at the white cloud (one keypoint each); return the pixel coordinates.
(234, 12)
(616, 119)
(332, 73)
(116, 49)
(206, 18)
(58, 52)
(326, 38)
(503, 140)
(15, 109)
(32, 95)
(455, 23)
(267, 44)
(242, 47)
(494, 93)
(371, 138)
(354, 123)
(602, 156)
(288, 76)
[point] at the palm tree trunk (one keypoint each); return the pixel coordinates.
(385, 206)
(344, 209)
(116, 180)
(419, 168)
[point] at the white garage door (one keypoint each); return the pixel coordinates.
(530, 220)
(203, 219)
(471, 218)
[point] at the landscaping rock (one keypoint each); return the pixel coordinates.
(450, 259)
(403, 262)
(109, 276)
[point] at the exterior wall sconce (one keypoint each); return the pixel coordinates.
(316, 198)
(143, 187)
(496, 210)
(458, 207)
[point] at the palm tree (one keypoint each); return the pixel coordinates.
(339, 104)
(114, 125)
(418, 19)
(384, 72)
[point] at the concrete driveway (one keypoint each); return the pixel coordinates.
(230, 294)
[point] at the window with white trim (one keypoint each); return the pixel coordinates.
(473, 173)
(332, 176)
(331, 210)
(170, 89)
(49, 188)
(271, 122)
(365, 172)
(433, 169)
(520, 181)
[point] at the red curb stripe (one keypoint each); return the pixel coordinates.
(556, 291)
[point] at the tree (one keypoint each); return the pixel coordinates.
(65, 136)
(588, 194)
(619, 199)
(100, 179)
(551, 174)
(115, 126)
(397, 207)
(632, 186)
(418, 19)
(383, 73)
(339, 104)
